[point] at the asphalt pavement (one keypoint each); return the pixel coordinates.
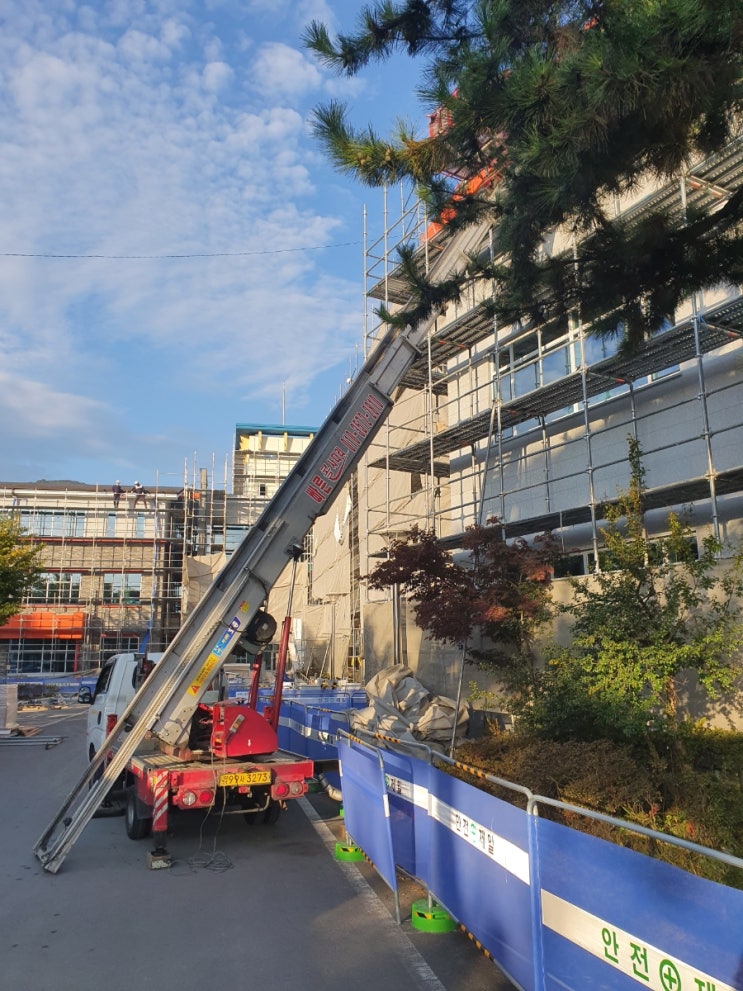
(242, 906)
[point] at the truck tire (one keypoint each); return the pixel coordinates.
(138, 827)
(266, 817)
(272, 813)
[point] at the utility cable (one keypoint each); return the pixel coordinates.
(195, 254)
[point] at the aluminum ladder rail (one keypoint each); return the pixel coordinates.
(166, 701)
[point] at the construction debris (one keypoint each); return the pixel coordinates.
(8, 708)
(401, 707)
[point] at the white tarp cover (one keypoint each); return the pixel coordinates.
(200, 572)
(400, 706)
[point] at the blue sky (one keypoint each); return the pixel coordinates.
(134, 130)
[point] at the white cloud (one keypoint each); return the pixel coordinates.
(174, 33)
(144, 129)
(216, 76)
(285, 71)
(141, 47)
(44, 410)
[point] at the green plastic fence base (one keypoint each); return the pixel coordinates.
(347, 851)
(431, 918)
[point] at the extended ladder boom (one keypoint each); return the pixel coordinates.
(166, 701)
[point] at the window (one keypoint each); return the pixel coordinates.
(525, 378)
(121, 589)
(555, 364)
(42, 656)
(173, 590)
(534, 361)
(119, 643)
(53, 588)
(104, 679)
(234, 536)
(111, 525)
(693, 545)
(53, 523)
(570, 566)
(660, 553)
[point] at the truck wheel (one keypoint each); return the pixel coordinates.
(138, 827)
(267, 817)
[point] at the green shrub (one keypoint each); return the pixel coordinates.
(687, 784)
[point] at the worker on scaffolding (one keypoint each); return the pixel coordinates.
(139, 492)
(117, 492)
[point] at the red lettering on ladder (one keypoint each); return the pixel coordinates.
(331, 471)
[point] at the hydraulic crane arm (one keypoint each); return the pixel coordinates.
(167, 700)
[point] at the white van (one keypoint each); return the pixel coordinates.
(113, 692)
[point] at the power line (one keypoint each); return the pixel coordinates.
(195, 254)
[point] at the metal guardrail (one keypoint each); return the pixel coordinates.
(533, 802)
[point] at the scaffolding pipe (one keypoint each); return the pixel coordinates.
(706, 433)
(589, 450)
(431, 502)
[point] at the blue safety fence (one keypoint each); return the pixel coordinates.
(366, 807)
(611, 917)
(555, 908)
(407, 782)
(309, 721)
(479, 869)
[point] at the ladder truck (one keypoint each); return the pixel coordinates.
(155, 727)
(231, 761)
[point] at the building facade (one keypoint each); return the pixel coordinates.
(113, 576)
(326, 635)
(263, 457)
(526, 424)
(122, 575)
(530, 424)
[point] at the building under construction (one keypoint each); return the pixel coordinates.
(120, 574)
(114, 577)
(526, 424)
(529, 424)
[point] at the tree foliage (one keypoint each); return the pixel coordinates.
(656, 613)
(563, 105)
(503, 590)
(19, 567)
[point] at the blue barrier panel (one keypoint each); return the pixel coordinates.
(304, 728)
(319, 729)
(613, 918)
(479, 870)
(310, 730)
(407, 788)
(365, 806)
(291, 736)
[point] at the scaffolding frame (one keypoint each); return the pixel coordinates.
(152, 542)
(467, 464)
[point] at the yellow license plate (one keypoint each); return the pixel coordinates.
(246, 778)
